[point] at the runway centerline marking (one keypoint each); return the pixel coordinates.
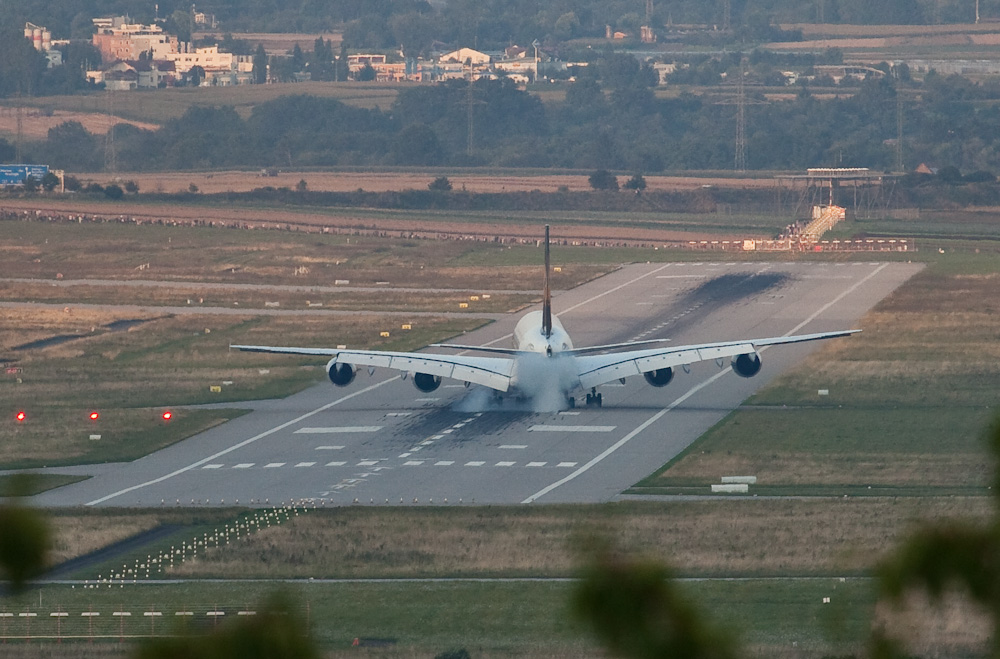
(513, 446)
(329, 448)
(239, 445)
(691, 392)
(336, 430)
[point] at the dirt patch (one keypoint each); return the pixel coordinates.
(35, 124)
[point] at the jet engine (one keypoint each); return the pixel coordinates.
(746, 365)
(426, 383)
(340, 374)
(661, 377)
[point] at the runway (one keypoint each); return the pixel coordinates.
(381, 441)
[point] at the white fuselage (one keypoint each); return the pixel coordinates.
(528, 335)
(547, 373)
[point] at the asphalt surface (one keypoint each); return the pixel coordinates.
(380, 440)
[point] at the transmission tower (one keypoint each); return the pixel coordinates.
(899, 132)
(727, 14)
(741, 119)
(649, 12)
(110, 154)
(19, 112)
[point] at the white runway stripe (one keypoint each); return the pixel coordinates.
(553, 428)
(336, 430)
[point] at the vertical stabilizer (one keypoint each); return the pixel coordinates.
(547, 293)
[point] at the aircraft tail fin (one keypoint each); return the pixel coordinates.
(547, 293)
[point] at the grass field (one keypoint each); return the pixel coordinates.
(158, 106)
(698, 538)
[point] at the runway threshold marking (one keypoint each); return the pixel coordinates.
(691, 392)
(239, 445)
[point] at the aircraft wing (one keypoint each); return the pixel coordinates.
(594, 370)
(492, 372)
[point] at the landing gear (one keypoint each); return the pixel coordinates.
(594, 399)
(572, 402)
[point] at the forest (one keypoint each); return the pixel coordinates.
(610, 121)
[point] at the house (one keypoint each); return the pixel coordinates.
(118, 39)
(467, 56)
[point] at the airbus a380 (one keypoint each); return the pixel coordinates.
(543, 365)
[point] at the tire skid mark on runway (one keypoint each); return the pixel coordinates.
(240, 445)
(656, 417)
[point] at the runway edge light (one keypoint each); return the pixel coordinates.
(94, 416)
(20, 416)
(167, 415)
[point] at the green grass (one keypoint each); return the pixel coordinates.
(36, 484)
(520, 618)
(126, 434)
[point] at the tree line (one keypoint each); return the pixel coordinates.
(480, 23)
(612, 122)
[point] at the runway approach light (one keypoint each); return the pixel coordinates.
(94, 416)
(167, 415)
(20, 416)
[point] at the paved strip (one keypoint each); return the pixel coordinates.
(240, 445)
(656, 417)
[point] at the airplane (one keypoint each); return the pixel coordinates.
(543, 365)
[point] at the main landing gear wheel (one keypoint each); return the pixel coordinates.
(572, 402)
(594, 400)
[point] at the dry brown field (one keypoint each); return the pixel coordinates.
(35, 124)
(745, 537)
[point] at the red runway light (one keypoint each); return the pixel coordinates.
(94, 416)
(20, 416)
(167, 416)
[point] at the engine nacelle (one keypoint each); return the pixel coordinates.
(340, 374)
(746, 365)
(426, 383)
(661, 377)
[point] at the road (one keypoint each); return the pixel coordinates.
(382, 441)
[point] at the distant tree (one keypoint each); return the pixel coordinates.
(260, 65)
(637, 183)
(417, 144)
(7, 151)
(50, 181)
(114, 192)
(950, 174)
(131, 187)
(72, 183)
(30, 184)
(298, 59)
(440, 184)
(94, 188)
(301, 185)
(192, 188)
(602, 179)
(341, 69)
(195, 75)
(366, 73)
